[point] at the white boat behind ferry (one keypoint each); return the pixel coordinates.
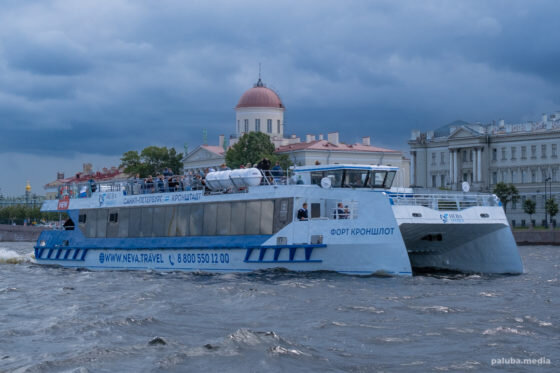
(245, 221)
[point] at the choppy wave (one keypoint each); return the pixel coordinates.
(506, 330)
(8, 256)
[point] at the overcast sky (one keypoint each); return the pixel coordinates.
(85, 81)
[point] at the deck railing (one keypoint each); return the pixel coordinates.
(448, 202)
(143, 186)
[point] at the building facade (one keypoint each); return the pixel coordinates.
(332, 151)
(523, 154)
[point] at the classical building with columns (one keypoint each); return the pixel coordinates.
(524, 154)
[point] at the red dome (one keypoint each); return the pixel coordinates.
(260, 96)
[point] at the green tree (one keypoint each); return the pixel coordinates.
(251, 148)
(152, 160)
(530, 207)
(506, 193)
(551, 207)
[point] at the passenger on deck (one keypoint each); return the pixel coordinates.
(340, 212)
(197, 183)
(277, 172)
(92, 185)
(149, 185)
(173, 184)
(302, 212)
(264, 164)
(160, 184)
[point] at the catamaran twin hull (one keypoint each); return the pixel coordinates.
(352, 231)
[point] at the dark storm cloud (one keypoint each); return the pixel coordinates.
(107, 77)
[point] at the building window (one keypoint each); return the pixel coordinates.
(533, 151)
(257, 125)
(523, 152)
(523, 176)
(442, 158)
(238, 126)
(494, 178)
(465, 177)
(503, 153)
(554, 175)
(246, 124)
(543, 151)
(278, 125)
(434, 181)
(553, 151)
(513, 176)
(513, 153)
(433, 159)
(544, 174)
(269, 125)
(494, 154)
(513, 222)
(442, 177)
(523, 222)
(533, 176)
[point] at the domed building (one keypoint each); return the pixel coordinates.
(260, 109)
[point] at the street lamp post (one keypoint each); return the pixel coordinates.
(547, 180)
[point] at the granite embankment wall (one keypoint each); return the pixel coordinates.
(14, 233)
(537, 237)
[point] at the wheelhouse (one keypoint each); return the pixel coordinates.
(347, 176)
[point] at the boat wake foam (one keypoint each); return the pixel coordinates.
(8, 256)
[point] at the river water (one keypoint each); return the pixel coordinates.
(65, 320)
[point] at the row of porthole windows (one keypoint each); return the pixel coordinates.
(257, 126)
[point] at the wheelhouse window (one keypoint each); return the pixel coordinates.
(355, 178)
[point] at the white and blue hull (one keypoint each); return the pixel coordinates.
(381, 236)
(364, 245)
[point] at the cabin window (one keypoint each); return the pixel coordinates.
(316, 177)
(113, 217)
(315, 210)
(101, 231)
(261, 217)
(82, 218)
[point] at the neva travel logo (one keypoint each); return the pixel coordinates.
(451, 218)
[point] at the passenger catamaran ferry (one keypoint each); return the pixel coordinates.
(246, 220)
